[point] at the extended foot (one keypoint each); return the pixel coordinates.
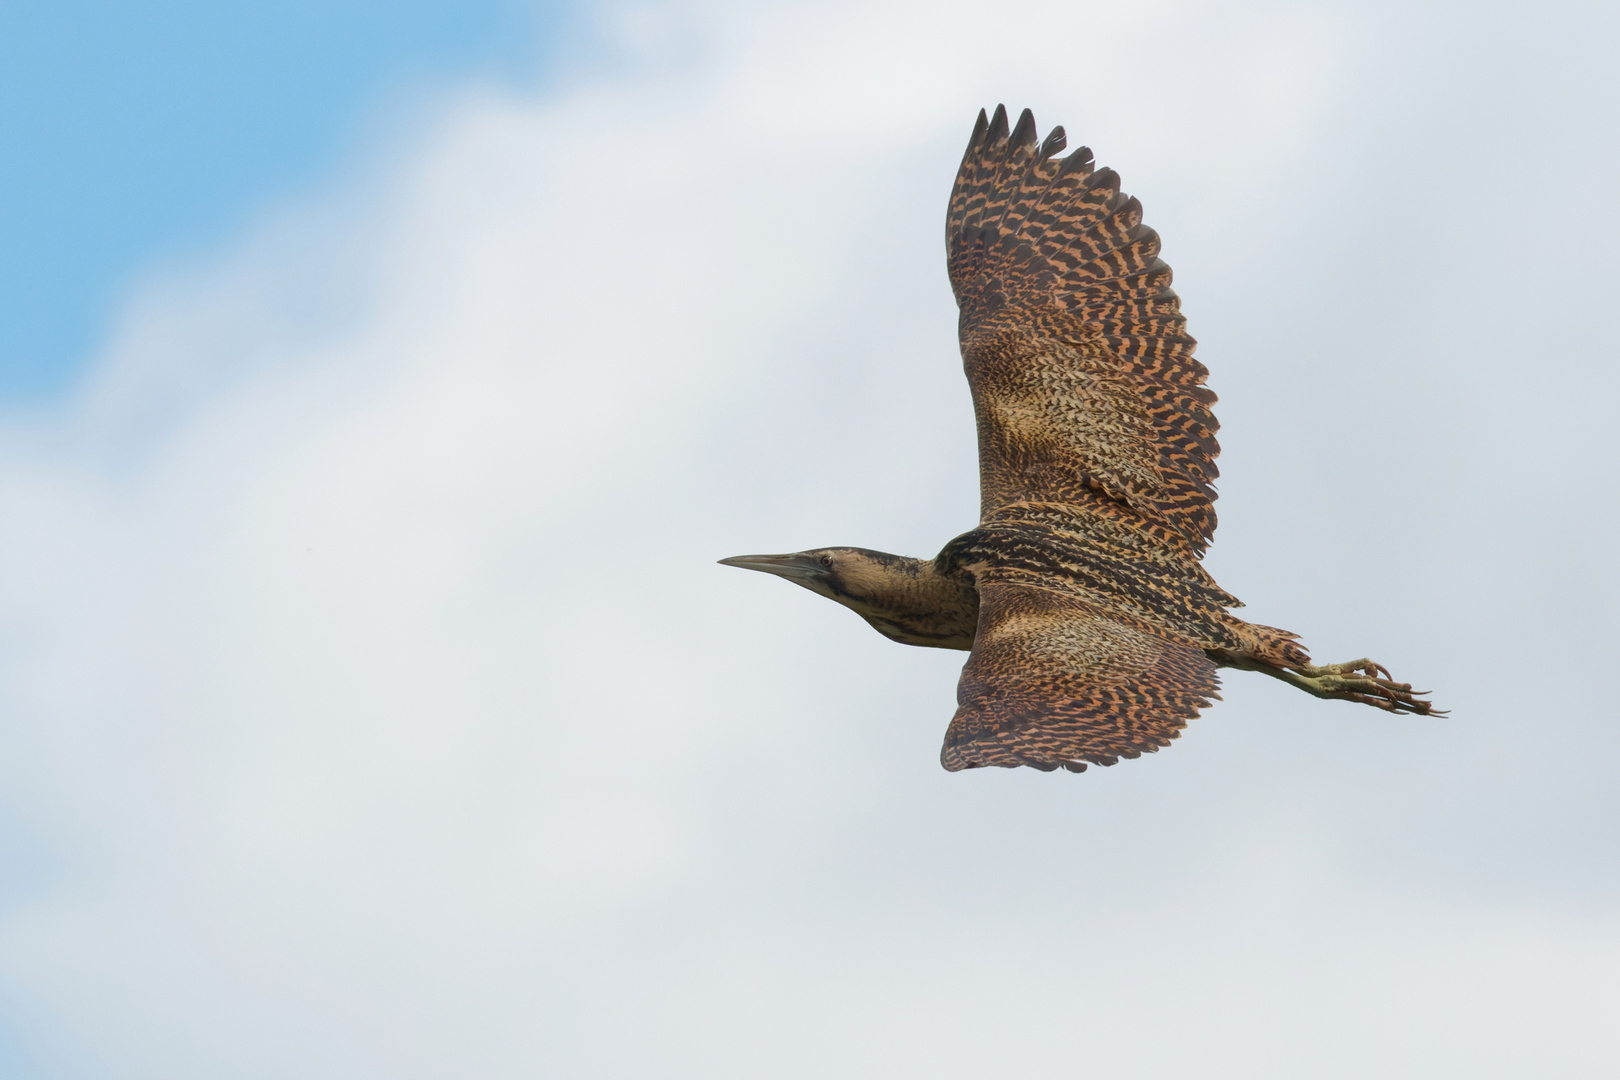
(1363, 681)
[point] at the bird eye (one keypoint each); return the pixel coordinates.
(826, 560)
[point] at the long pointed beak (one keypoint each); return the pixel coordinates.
(793, 567)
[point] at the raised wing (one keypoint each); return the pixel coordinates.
(1082, 373)
(1055, 681)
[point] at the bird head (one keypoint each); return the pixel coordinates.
(841, 574)
(904, 599)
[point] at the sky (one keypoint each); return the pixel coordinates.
(371, 705)
(139, 134)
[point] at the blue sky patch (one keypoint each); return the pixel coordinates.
(133, 133)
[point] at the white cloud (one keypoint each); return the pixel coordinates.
(373, 706)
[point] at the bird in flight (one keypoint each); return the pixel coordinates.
(1094, 630)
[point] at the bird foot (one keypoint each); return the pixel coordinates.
(1364, 681)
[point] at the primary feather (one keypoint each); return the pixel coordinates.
(1082, 371)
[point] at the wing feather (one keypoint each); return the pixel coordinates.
(1055, 681)
(1074, 344)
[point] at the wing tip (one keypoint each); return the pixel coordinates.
(980, 126)
(1024, 133)
(1054, 143)
(998, 126)
(990, 132)
(1080, 161)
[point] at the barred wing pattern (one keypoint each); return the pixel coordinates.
(1093, 626)
(1096, 459)
(1056, 682)
(1075, 347)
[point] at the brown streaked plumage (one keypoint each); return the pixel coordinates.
(1095, 630)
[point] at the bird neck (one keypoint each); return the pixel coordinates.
(912, 602)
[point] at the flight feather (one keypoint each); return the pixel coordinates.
(1074, 344)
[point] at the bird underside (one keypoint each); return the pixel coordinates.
(1099, 637)
(1087, 688)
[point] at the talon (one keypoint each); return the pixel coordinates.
(1365, 681)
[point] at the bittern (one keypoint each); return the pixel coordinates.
(1095, 632)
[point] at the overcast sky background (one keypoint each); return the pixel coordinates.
(371, 705)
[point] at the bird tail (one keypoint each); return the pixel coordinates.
(1269, 645)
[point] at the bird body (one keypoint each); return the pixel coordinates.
(1094, 630)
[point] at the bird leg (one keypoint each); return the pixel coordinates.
(1361, 680)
